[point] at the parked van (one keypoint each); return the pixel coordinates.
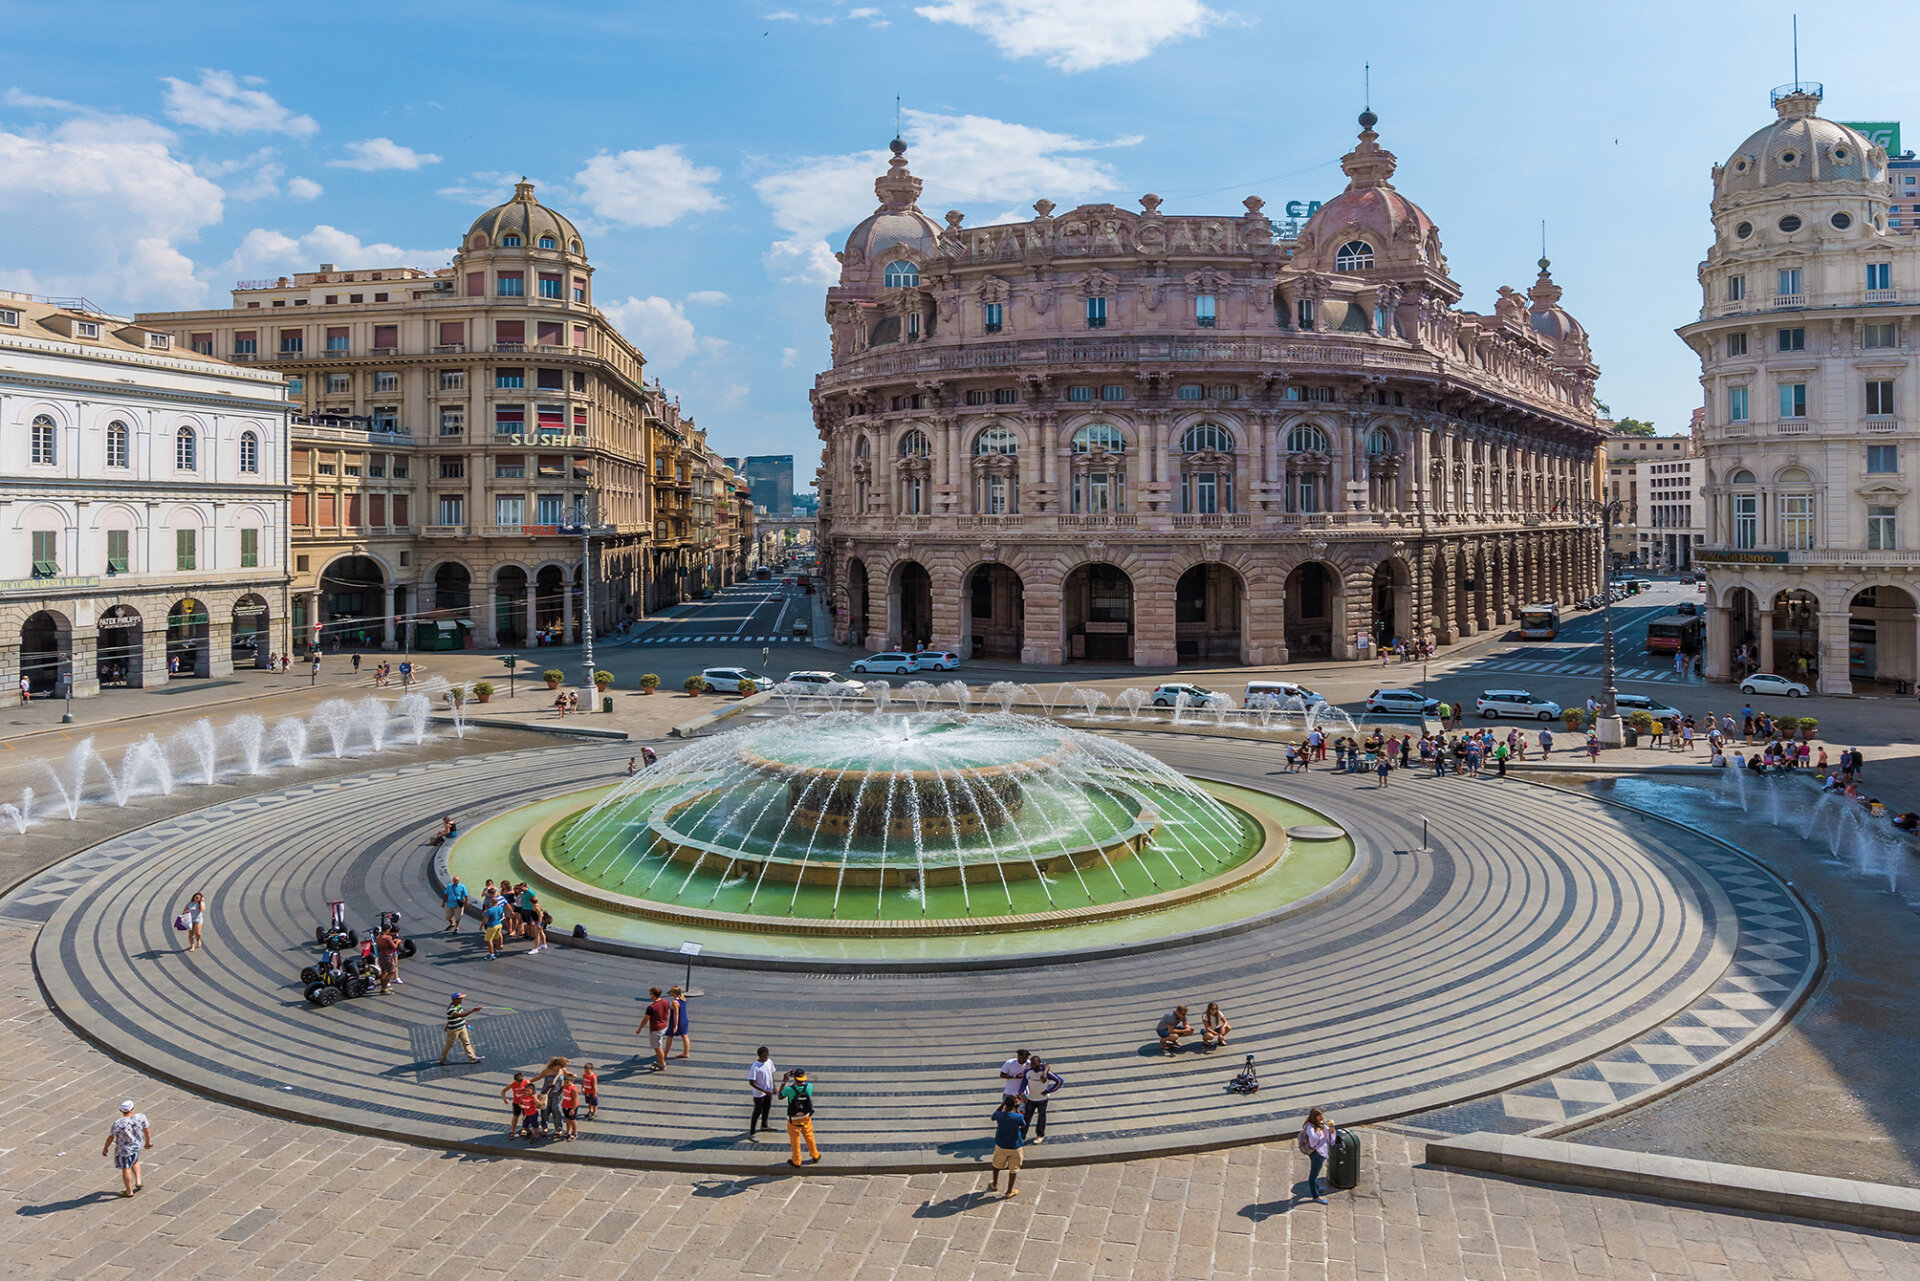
(1278, 691)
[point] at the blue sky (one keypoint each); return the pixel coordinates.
(151, 155)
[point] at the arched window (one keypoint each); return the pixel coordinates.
(1746, 512)
(1355, 255)
(1206, 438)
(916, 445)
(548, 242)
(900, 274)
(862, 448)
(186, 450)
(479, 240)
(996, 440)
(46, 441)
(249, 452)
(573, 246)
(119, 445)
(1099, 436)
(1379, 442)
(510, 242)
(1100, 475)
(1306, 439)
(1796, 509)
(1741, 477)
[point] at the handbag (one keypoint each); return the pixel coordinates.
(180, 922)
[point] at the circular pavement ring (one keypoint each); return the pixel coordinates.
(1539, 931)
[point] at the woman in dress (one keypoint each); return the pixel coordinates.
(678, 1025)
(195, 912)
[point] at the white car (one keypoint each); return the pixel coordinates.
(1641, 703)
(1768, 683)
(1261, 693)
(935, 660)
(1516, 702)
(896, 661)
(1401, 700)
(814, 682)
(735, 680)
(1168, 695)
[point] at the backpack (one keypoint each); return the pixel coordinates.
(801, 1104)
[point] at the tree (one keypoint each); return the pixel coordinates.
(1632, 427)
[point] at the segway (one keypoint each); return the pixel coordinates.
(335, 936)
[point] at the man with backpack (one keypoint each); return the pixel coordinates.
(799, 1096)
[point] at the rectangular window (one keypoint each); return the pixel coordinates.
(1320, 393)
(296, 388)
(509, 419)
(579, 420)
(1883, 534)
(1192, 391)
(977, 397)
(476, 283)
(400, 515)
(292, 340)
(995, 314)
(913, 326)
(1793, 400)
(246, 342)
(1113, 391)
(453, 468)
(580, 336)
(46, 443)
(1224, 392)
(1883, 460)
(386, 337)
(386, 418)
(453, 380)
(1879, 275)
(1736, 344)
(299, 515)
(399, 469)
(249, 549)
(339, 384)
(1204, 493)
(337, 339)
(1736, 288)
(1788, 281)
(1738, 411)
(996, 496)
(579, 289)
(549, 288)
(1306, 313)
(1203, 310)
(386, 382)
(508, 286)
(1096, 313)
(1746, 521)
(203, 343)
(453, 422)
(453, 509)
(915, 496)
(46, 553)
(1879, 397)
(551, 509)
(510, 335)
(117, 541)
(1794, 339)
(551, 333)
(186, 549)
(552, 380)
(377, 506)
(1796, 522)
(1005, 396)
(1882, 335)
(509, 509)
(554, 466)
(453, 333)
(510, 468)
(509, 379)
(1079, 393)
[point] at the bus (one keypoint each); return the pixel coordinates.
(1676, 634)
(1539, 622)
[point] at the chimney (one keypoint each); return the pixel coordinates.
(326, 266)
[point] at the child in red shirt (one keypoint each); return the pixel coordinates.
(525, 1104)
(570, 1105)
(590, 1089)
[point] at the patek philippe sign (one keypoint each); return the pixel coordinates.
(1740, 557)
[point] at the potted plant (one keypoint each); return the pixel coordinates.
(1808, 724)
(1786, 726)
(482, 691)
(553, 676)
(1640, 721)
(694, 685)
(456, 695)
(1575, 718)
(649, 683)
(601, 680)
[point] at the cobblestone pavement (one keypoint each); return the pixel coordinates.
(234, 1195)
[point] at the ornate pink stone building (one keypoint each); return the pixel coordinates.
(1121, 436)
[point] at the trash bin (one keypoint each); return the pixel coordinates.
(1630, 737)
(606, 703)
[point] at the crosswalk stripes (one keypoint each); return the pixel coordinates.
(717, 640)
(1589, 670)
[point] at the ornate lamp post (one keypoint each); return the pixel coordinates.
(1607, 723)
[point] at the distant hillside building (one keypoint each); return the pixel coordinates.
(771, 476)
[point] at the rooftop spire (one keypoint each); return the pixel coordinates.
(1369, 164)
(897, 187)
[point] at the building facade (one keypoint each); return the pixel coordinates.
(1120, 436)
(1806, 342)
(143, 505)
(1657, 480)
(772, 478)
(458, 431)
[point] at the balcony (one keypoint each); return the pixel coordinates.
(450, 349)
(509, 348)
(1792, 427)
(383, 351)
(992, 522)
(1214, 520)
(1788, 302)
(1879, 426)
(1107, 520)
(1876, 296)
(446, 531)
(1854, 556)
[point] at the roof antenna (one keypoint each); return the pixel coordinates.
(1796, 52)
(896, 108)
(1366, 70)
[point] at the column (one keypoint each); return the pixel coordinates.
(218, 659)
(566, 612)
(392, 641)
(85, 664)
(153, 655)
(489, 621)
(1836, 668)
(948, 598)
(10, 670)
(1766, 639)
(1719, 655)
(1153, 626)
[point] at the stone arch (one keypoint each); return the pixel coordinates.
(1315, 614)
(250, 636)
(857, 626)
(188, 631)
(1883, 633)
(1099, 603)
(909, 603)
(452, 587)
(1392, 594)
(120, 647)
(1438, 603)
(1795, 633)
(1210, 603)
(993, 612)
(351, 605)
(46, 651)
(512, 601)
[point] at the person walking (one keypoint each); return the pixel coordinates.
(659, 1019)
(760, 1085)
(127, 1138)
(356, 662)
(1546, 744)
(679, 1027)
(456, 901)
(1382, 768)
(1009, 1137)
(458, 1012)
(1500, 760)
(1041, 1082)
(195, 913)
(766, 656)
(633, 766)
(1316, 1141)
(798, 1093)
(386, 956)
(535, 918)
(493, 921)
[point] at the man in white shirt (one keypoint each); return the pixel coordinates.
(1013, 1075)
(760, 1079)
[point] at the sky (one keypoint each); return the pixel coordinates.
(715, 155)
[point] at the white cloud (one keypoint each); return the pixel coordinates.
(108, 203)
(648, 188)
(383, 153)
(1077, 35)
(731, 396)
(263, 252)
(960, 158)
(222, 103)
(789, 357)
(488, 187)
(304, 189)
(660, 329)
(707, 296)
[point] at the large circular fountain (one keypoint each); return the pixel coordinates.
(899, 824)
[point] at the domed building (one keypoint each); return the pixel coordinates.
(1116, 435)
(458, 428)
(1805, 338)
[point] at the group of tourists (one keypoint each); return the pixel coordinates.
(547, 1104)
(1212, 1031)
(1027, 1085)
(508, 912)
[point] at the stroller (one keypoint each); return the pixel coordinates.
(1246, 1080)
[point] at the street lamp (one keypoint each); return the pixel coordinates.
(1607, 724)
(583, 522)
